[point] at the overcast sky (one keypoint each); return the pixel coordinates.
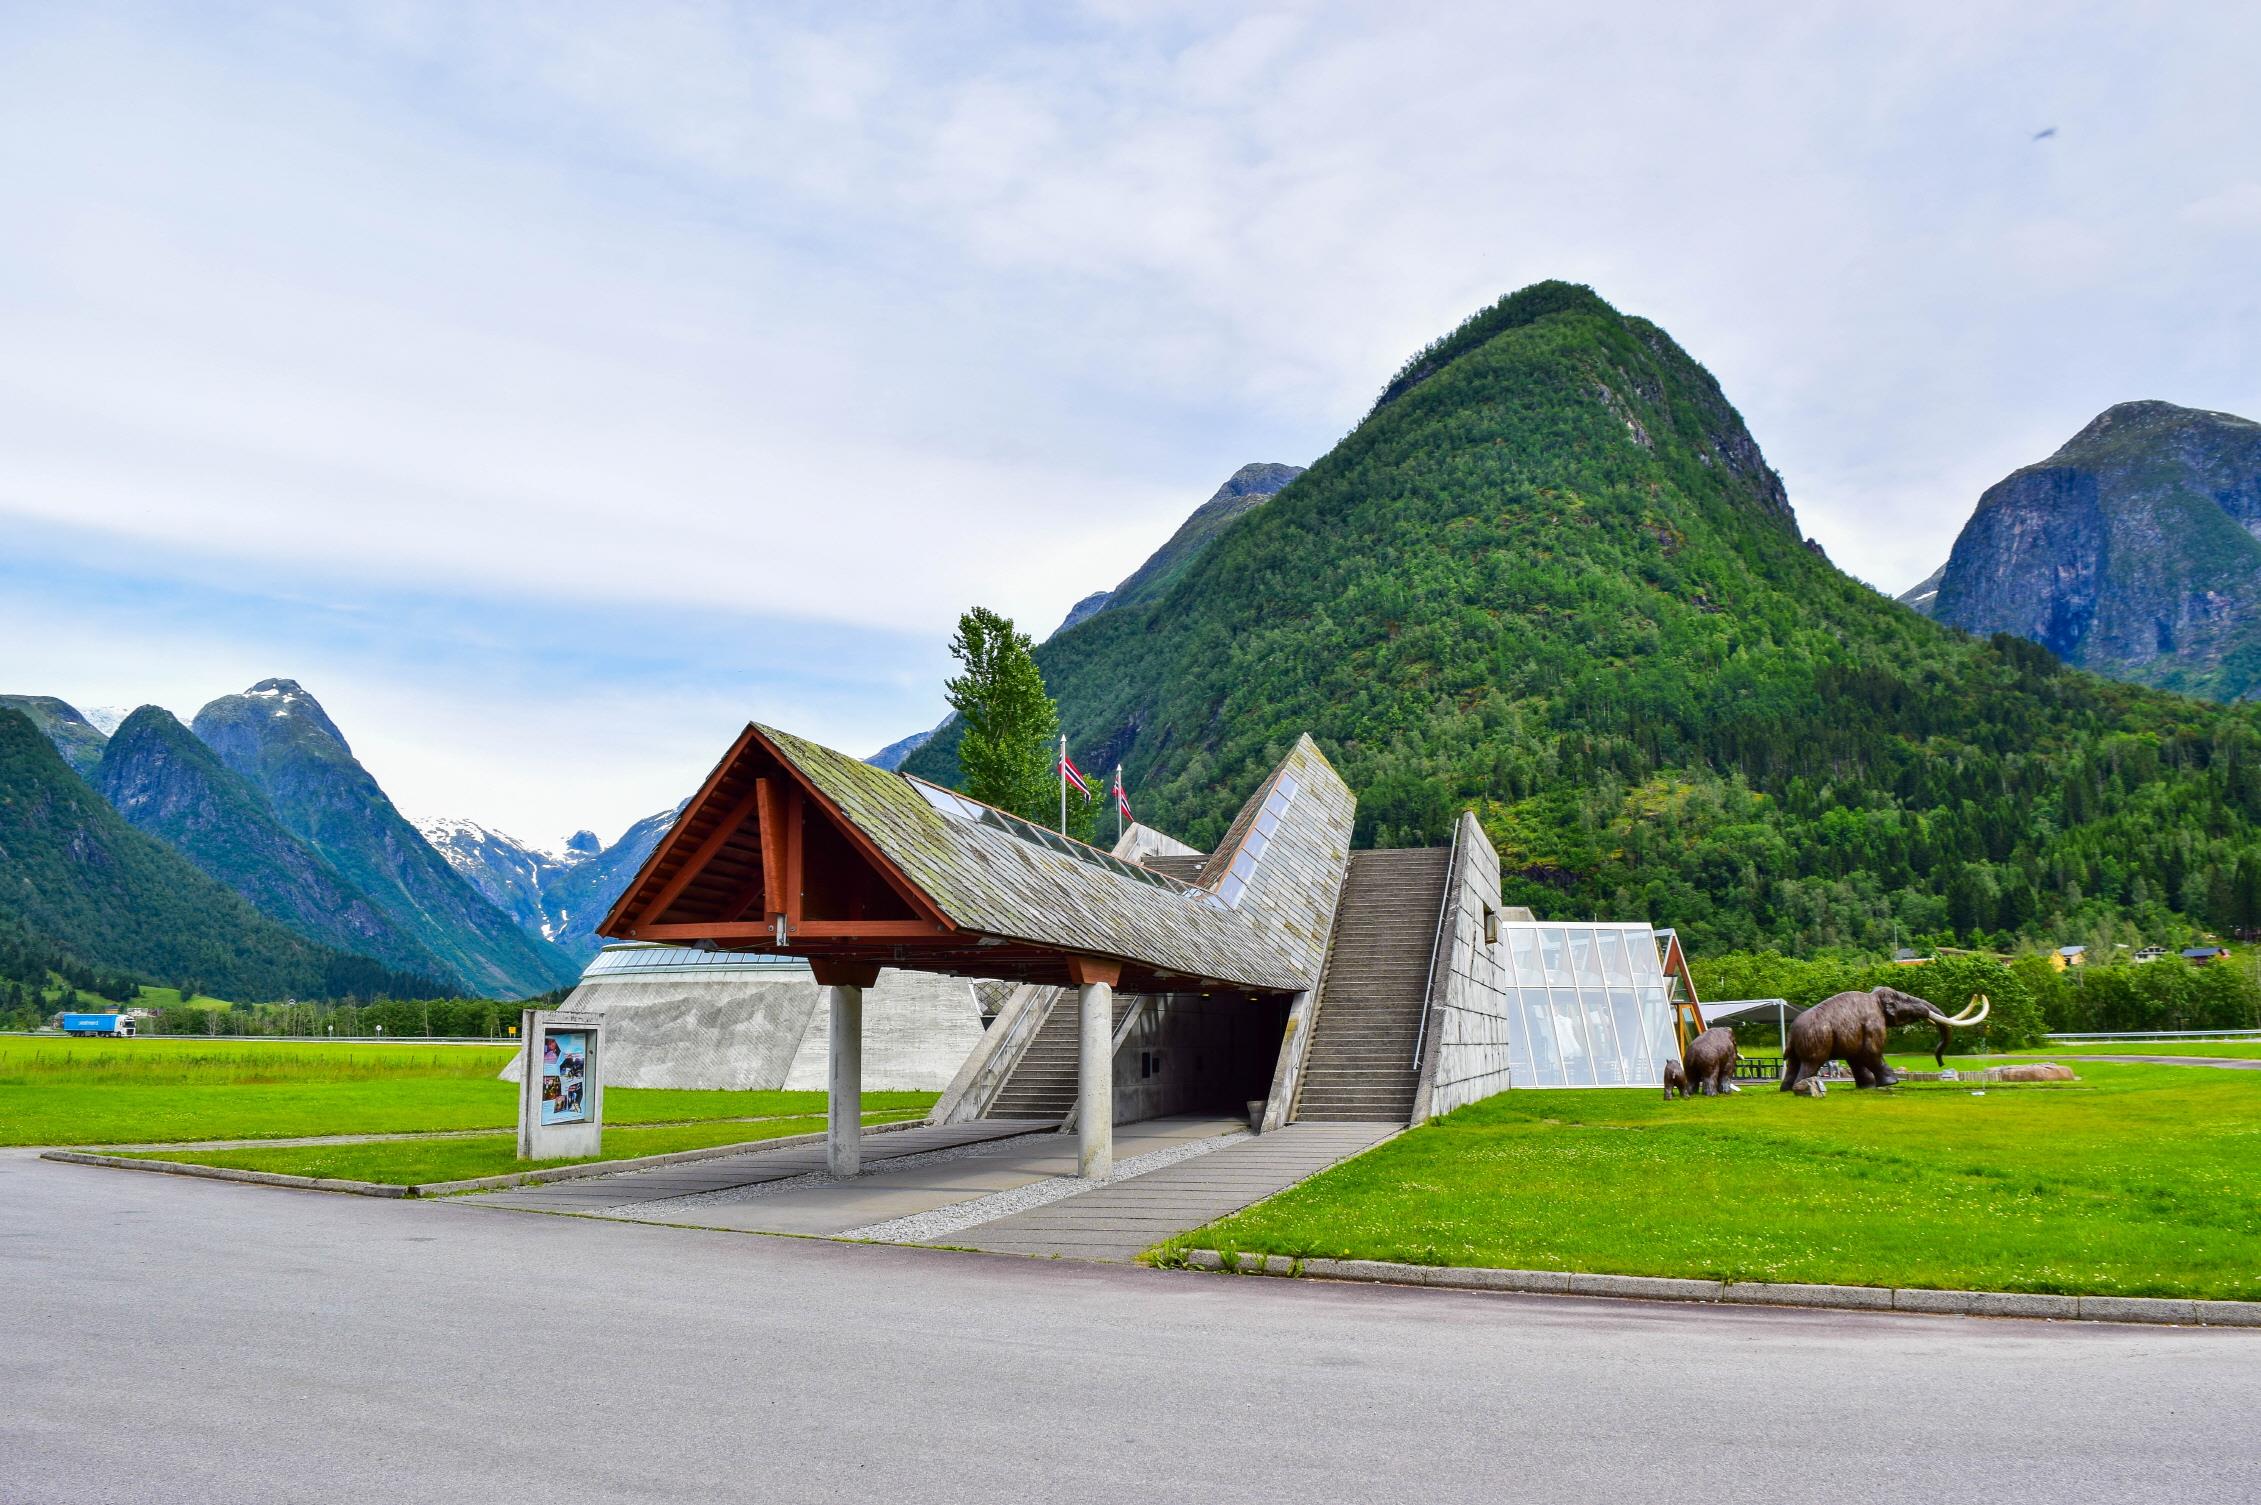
(552, 388)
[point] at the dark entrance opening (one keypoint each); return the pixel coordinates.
(1196, 1053)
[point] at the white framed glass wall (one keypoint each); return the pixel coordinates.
(1587, 1005)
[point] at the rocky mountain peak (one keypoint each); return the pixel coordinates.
(277, 699)
(2133, 551)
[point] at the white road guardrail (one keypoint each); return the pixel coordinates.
(2109, 1037)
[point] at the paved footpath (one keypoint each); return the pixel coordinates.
(264, 1345)
(1116, 1222)
(727, 1172)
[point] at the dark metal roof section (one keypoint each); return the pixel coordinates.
(791, 848)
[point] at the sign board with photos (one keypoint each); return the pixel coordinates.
(565, 1076)
(561, 1090)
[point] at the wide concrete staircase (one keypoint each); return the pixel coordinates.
(1043, 1081)
(1360, 1064)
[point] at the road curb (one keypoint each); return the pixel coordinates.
(449, 1188)
(2170, 1311)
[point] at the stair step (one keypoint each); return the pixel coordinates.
(1374, 990)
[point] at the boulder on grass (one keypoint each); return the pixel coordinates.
(1810, 1087)
(2032, 1071)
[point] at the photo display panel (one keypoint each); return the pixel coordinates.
(565, 1076)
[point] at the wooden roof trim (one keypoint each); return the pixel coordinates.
(904, 886)
(621, 920)
(733, 820)
(616, 919)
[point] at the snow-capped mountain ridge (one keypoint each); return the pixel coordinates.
(556, 892)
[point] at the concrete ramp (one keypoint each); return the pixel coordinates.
(1118, 1221)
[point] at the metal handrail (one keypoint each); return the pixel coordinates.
(1436, 939)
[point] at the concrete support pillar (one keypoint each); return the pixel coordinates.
(1095, 1078)
(844, 983)
(844, 1100)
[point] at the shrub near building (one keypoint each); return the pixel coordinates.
(393, 1018)
(2167, 994)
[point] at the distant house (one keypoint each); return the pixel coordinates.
(2150, 954)
(2199, 956)
(2068, 956)
(1907, 958)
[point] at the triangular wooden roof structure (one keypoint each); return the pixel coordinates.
(793, 848)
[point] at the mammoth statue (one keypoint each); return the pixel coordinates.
(1850, 1028)
(1675, 1081)
(1710, 1062)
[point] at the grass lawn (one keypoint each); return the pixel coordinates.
(2138, 1180)
(56, 1090)
(409, 1162)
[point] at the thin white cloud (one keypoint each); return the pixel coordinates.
(861, 316)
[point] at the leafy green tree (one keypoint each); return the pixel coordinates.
(1010, 726)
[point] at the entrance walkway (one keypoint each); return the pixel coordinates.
(665, 1182)
(944, 1176)
(932, 1184)
(1117, 1221)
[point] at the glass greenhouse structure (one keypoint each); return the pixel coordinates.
(1587, 1005)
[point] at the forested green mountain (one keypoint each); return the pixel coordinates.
(156, 774)
(75, 875)
(1551, 576)
(76, 738)
(1245, 489)
(278, 739)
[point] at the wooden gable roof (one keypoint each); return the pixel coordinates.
(794, 848)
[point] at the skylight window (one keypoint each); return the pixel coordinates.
(1242, 869)
(958, 807)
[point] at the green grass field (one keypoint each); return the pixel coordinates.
(2138, 1180)
(411, 1162)
(155, 1090)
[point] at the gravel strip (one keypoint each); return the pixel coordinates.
(666, 1210)
(927, 1227)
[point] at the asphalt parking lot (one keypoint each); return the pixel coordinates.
(178, 1340)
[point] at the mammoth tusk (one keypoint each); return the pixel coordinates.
(1966, 1018)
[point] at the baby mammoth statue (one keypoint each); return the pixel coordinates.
(1675, 1081)
(1710, 1062)
(1850, 1027)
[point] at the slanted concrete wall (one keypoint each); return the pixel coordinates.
(1139, 842)
(918, 1028)
(996, 1055)
(1464, 1048)
(744, 1033)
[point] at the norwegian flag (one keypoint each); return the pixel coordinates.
(1122, 800)
(1074, 775)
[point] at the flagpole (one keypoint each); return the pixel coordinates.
(1118, 804)
(1063, 784)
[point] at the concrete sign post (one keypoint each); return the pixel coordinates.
(561, 1089)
